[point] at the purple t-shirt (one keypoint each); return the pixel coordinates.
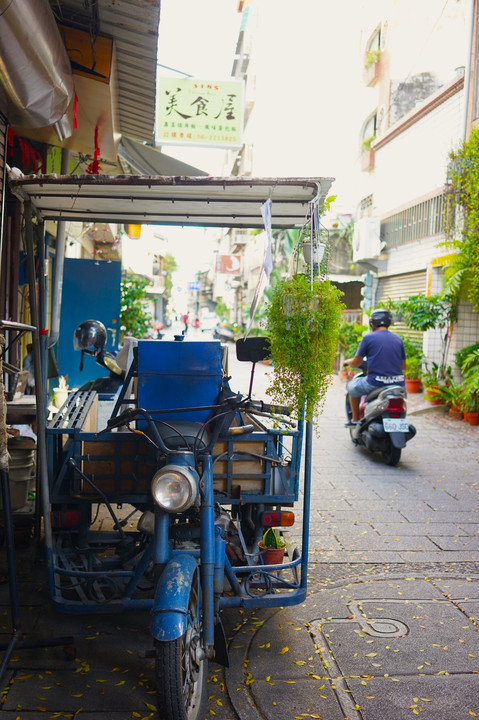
(385, 355)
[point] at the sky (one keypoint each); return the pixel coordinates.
(311, 100)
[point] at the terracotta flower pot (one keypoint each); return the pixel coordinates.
(455, 413)
(473, 418)
(413, 385)
(271, 556)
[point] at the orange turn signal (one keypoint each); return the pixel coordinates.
(276, 518)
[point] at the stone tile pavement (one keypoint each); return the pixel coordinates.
(388, 631)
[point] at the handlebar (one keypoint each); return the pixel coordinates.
(252, 406)
(260, 406)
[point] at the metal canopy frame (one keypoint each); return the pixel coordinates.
(233, 202)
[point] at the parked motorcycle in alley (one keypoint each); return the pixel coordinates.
(383, 426)
(223, 333)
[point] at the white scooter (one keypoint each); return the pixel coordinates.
(383, 426)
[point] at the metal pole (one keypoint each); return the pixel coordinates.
(44, 504)
(59, 263)
(306, 502)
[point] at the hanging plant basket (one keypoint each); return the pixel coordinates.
(303, 322)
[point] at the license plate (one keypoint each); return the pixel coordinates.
(395, 425)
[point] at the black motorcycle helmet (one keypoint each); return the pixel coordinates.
(380, 318)
(90, 335)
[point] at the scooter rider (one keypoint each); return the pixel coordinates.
(385, 355)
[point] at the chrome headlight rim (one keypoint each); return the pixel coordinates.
(174, 488)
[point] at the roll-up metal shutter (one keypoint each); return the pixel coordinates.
(400, 287)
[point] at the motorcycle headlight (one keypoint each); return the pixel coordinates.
(174, 488)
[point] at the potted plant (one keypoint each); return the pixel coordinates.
(470, 400)
(303, 321)
(453, 395)
(435, 380)
(413, 364)
(271, 548)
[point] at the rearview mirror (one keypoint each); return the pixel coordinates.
(253, 349)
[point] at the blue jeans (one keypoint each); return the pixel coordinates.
(359, 386)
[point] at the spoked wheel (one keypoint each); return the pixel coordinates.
(391, 454)
(180, 675)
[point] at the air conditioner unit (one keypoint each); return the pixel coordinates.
(366, 239)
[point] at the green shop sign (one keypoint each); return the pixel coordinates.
(200, 112)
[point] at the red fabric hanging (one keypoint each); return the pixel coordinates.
(75, 103)
(94, 167)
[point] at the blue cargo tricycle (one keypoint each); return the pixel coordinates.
(203, 472)
(164, 505)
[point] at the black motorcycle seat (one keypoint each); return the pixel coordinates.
(374, 393)
(183, 434)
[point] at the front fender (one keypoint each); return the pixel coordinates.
(168, 615)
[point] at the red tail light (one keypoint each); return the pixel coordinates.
(277, 519)
(66, 519)
(395, 406)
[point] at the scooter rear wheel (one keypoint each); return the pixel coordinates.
(180, 676)
(392, 454)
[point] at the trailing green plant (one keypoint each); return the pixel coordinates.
(272, 540)
(303, 322)
(461, 220)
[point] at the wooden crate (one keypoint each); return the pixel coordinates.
(245, 467)
(124, 465)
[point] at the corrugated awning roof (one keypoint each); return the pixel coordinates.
(145, 160)
(133, 25)
(195, 201)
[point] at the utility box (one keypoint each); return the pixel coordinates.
(179, 374)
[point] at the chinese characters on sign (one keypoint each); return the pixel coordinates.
(202, 113)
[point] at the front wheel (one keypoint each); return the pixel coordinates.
(180, 675)
(391, 454)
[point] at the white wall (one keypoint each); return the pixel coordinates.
(414, 163)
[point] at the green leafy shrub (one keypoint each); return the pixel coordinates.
(350, 335)
(462, 228)
(135, 318)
